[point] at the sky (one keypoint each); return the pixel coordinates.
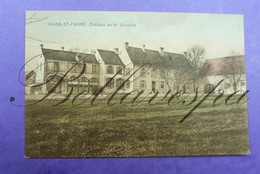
(219, 34)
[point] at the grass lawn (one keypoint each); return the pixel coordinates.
(131, 131)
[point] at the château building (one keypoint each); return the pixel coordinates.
(133, 69)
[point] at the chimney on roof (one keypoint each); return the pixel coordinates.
(144, 48)
(62, 48)
(161, 51)
(116, 50)
(126, 45)
(41, 46)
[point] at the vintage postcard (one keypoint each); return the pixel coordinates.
(134, 84)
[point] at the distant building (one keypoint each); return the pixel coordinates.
(153, 71)
(231, 69)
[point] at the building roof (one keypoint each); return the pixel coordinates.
(168, 59)
(61, 55)
(224, 65)
(110, 57)
(176, 60)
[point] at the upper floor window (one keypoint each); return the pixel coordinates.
(119, 82)
(77, 68)
(73, 66)
(118, 69)
(110, 70)
(154, 72)
(127, 71)
(56, 66)
(143, 72)
(94, 69)
(50, 66)
(85, 68)
(162, 85)
(142, 84)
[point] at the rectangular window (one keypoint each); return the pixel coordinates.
(162, 84)
(79, 68)
(154, 73)
(127, 71)
(111, 83)
(127, 84)
(56, 66)
(142, 84)
(94, 69)
(50, 66)
(74, 67)
(143, 72)
(85, 68)
(118, 69)
(110, 70)
(119, 82)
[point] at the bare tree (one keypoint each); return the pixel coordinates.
(195, 55)
(34, 18)
(166, 76)
(177, 73)
(234, 69)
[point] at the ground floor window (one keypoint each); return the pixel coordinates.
(111, 83)
(119, 82)
(127, 84)
(78, 88)
(162, 85)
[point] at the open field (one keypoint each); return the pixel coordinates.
(130, 131)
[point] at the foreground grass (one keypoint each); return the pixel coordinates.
(131, 131)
